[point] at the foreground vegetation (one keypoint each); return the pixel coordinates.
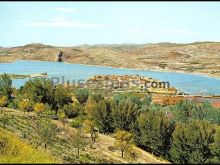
(14, 150)
(187, 132)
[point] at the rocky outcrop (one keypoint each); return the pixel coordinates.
(60, 57)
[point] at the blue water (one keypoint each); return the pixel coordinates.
(189, 83)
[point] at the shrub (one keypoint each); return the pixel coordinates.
(39, 108)
(77, 122)
(82, 95)
(71, 110)
(13, 105)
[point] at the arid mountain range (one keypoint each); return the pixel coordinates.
(199, 57)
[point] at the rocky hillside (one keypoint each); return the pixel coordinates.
(200, 57)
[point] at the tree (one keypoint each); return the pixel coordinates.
(3, 102)
(89, 127)
(62, 117)
(146, 102)
(117, 98)
(43, 91)
(61, 96)
(37, 90)
(71, 110)
(188, 110)
(24, 105)
(123, 141)
(124, 114)
(191, 142)
(5, 85)
(200, 110)
(4, 120)
(46, 131)
(215, 147)
(155, 132)
(82, 95)
(39, 108)
(89, 107)
(78, 140)
(205, 111)
(183, 111)
(97, 97)
(101, 115)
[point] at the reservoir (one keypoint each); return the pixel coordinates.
(188, 83)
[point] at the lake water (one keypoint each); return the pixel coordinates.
(189, 83)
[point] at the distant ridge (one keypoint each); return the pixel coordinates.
(198, 57)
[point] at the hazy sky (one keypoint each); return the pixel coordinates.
(76, 23)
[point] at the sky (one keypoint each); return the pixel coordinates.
(78, 23)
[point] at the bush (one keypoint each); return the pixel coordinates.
(77, 122)
(82, 95)
(71, 110)
(97, 97)
(191, 142)
(13, 105)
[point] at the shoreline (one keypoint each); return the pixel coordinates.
(206, 75)
(101, 66)
(152, 70)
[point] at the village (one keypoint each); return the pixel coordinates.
(162, 93)
(130, 83)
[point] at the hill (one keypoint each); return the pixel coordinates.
(15, 150)
(198, 57)
(24, 125)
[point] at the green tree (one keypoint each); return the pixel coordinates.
(97, 97)
(200, 111)
(205, 111)
(146, 102)
(46, 131)
(89, 127)
(43, 91)
(5, 85)
(62, 117)
(37, 90)
(123, 141)
(101, 115)
(124, 114)
(156, 132)
(213, 116)
(117, 98)
(183, 111)
(71, 110)
(215, 147)
(79, 141)
(62, 96)
(82, 95)
(191, 142)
